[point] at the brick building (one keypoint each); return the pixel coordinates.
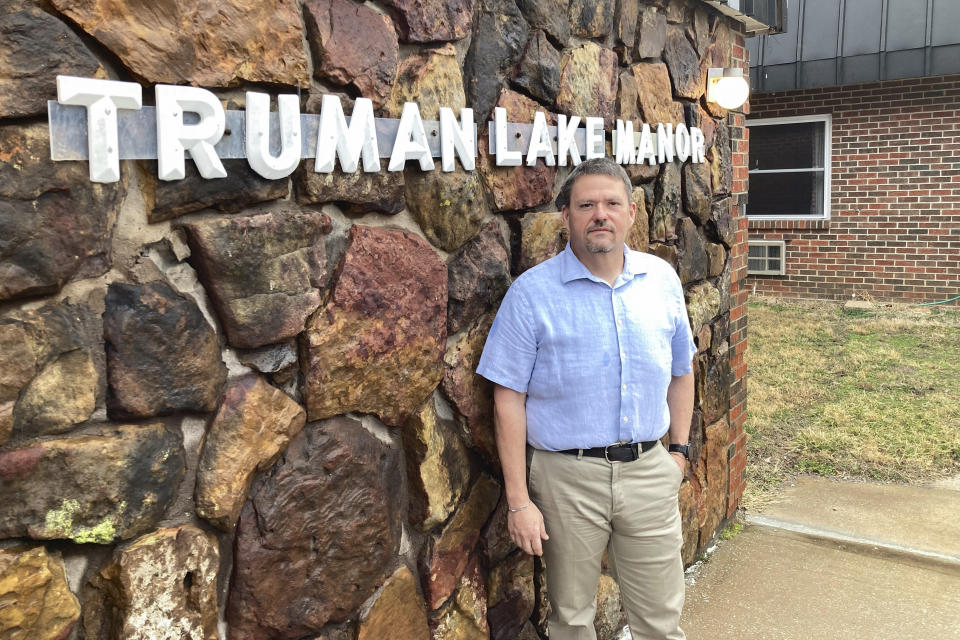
(854, 128)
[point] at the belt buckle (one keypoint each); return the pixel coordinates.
(606, 451)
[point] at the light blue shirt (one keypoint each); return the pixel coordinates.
(594, 360)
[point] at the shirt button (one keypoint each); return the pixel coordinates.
(624, 387)
(623, 355)
(626, 419)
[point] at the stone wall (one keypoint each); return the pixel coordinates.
(247, 408)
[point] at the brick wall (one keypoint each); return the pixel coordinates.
(894, 228)
(738, 298)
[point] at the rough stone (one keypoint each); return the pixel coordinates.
(432, 20)
(162, 586)
(264, 273)
(449, 207)
(538, 72)
(713, 505)
(666, 252)
(398, 611)
(542, 236)
(651, 33)
(699, 31)
(165, 200)
(663, 220)
(98, 487)
(377, 346)
(717, 257)
(627, 107)
(277, 360)
(251, 429)
(317, 535)
(690, 522)
(716, 389)
(723, 221)
(356, 193)
(550, 16)
(352, 45)
(627, 17)
(696, 116)
(438, 467)
(499, 39)
(678, 11)
(162, 356)
(721, 45)
(591, 18)
(654, 93)
(510, 596)
(703, 304)
(609, 619)
(724, 284)
(528, 632)
(35, 599)
(464, 617)
(495, 541)
(588, 82)
(470, 393)
(37, 48)
(478, 275)
(446, 558)
(212, 44)
(721, 165)
(703, 338)
(542, 608)
(43, 242)
(638, 238)
(432, 79)
(52, 360)
(522, 187)
(694, 262)
(696, 190)
(684, 64)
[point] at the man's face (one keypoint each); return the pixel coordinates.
(599, 215)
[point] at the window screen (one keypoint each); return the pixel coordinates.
(789, 170)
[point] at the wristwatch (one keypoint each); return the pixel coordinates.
(680, 448)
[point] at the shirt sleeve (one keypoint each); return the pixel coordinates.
(682, 344)
(511, 348)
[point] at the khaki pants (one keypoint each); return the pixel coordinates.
(588, 504)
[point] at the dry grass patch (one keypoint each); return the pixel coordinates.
(868, 394)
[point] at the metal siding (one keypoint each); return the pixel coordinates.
(861, 26)
(860, 69)
(946, 22)
(821, 24)
(904, 64)
(781, 77)
(906, 24)
(945, 60)
(818, 73)
(782, 47)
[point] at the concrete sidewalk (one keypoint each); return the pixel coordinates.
(834, 560)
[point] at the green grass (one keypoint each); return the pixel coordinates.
(869, 395)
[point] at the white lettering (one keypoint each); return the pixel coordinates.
(682, 140)
(566, 143)
(505, 156)
(174, 137)
(335, 139)
(461, 139)
(645, 148)
(625, 144)
(595, 138)
(102, 98)
(697, 147)
(540, 144)
(664, 143)
(258, 135)
(411, 142)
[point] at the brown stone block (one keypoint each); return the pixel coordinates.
(510, 596)
(542, 236)
(478, 276)
(626, 18)
(666, 252)
(432, 20)
(703, 304)
(162, 585)
(638, 238)
(352, 45)
(717, 257)
(377, 345)
(668, 207)
(398, 611)
(356, 193)
(250, 430)
(684, 64)
(694, 262)
(696, 190)
(588, 82)
(464, 617)
(449, 207)
(714, 496)
(690, 522)
(538, 72)
(35, 599)
(500, 36)
(721, 165)
(651, 33)
(655, 95)
(432, 79)
(609, 619)
(549, 15)
(209, 44)
(591, 18)
(470, 393)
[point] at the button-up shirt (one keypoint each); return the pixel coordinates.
(594, 360)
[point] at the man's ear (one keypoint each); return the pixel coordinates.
(565, 216)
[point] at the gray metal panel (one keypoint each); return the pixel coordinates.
(821, 24)
(906, 24)
(946, 22)
(860, 69)
(944, 60)
(861, 26)
(781, 77)
(755, 83)
(818, 73)
(782, 47)
(904, 64)
(753, 47)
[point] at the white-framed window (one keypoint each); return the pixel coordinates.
(766, 257)
(789, 168)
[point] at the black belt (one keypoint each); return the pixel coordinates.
(615, 452)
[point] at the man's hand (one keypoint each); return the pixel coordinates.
(681, 461)
(527, 529)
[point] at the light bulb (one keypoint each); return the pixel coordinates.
(727, 87)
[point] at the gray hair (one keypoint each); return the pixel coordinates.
(603, 166)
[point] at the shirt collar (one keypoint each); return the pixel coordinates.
(572, 269)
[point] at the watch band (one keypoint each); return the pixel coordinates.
(680, 448)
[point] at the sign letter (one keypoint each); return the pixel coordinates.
(335, 138)
(540, 142)
(460, 138)
(411, 142)
(566, 144)
(595, 137)
(258, 135)
(174, 136)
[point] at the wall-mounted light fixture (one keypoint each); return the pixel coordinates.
(727, 87)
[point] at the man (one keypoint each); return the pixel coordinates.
(591, 356)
